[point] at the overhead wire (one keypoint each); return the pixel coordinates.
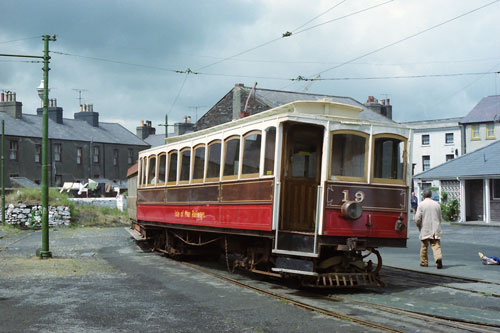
(408, 37)
(20, 39)
(288, 34)
(319, 15)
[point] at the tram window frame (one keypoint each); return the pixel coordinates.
(182, 171)
(144, 170)
(364, 135)
(236, 162)
(169, 159)
(405, 158)
(139, 172)
(148, 177)
(209, 149)
(268, 163)
(193, 161)
(244, 152)
(161, 181)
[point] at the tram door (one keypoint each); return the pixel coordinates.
(301, 171)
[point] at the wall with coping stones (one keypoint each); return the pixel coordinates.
(119, 202)
(30, 216)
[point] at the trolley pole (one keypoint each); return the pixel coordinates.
(2, 171)
(44, 251)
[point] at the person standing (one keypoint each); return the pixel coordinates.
(414, 202)
(428, 219)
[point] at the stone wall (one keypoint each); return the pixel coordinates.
(30, 216)
(119, 202)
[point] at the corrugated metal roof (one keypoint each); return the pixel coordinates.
(487, 110)
(75, 130)
(276, 98)
(482, 162)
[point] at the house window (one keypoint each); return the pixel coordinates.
(449, 157)
(38, 153)
(490, 131)
(57, 152)
(449, 137)
(58, 181)
(475, 132)
(96, 155)
(426, 162)
(14, 150)
(79, 152)
(130, 156)
(115, 157)
(426, 139)
(496, 189)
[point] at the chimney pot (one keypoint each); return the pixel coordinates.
(142, 123)
(189, 119)
(388, 101)
(1, 97)
(14, 97)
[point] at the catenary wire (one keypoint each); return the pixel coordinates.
(288, 34)
(319, 15)
(20, 39)
(408, 37)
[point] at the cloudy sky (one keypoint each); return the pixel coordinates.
(124, 54)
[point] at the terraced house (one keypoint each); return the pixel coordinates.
(79, 148)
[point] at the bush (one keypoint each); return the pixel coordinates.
(449, 208)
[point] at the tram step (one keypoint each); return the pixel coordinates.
(285, 264)
(295, 242)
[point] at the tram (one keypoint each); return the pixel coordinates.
(309, 189)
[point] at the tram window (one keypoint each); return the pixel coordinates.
(162, 164)
(199, 163)
(231, 157)
(389, 158)
(213, 166)
(172, 167)
(348, 155)
(140, 171)
(251, 154)
(185, 165)
(304, 160)
(152, 170)
(269, 153)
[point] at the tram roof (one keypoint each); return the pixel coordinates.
(326, 108)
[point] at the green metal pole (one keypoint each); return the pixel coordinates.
(44, 252)
(166, 125)
(2, 172)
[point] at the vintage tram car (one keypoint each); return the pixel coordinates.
(307, 189)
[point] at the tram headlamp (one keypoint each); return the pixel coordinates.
(351, 210)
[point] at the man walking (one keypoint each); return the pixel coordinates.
(428, 219)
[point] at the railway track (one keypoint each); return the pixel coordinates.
(349, 306)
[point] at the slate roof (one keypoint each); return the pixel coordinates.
(487, 110)
(30, 125)
(275, 98)
(482, 162)
(155, 140)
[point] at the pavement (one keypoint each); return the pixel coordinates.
(460, 245)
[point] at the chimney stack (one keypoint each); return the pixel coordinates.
(145, 130)
(87, 114)
(9, 105)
